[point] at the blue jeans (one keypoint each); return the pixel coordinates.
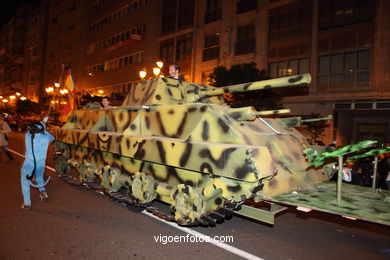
(27, 169)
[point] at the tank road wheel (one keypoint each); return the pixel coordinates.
(87, 171)
(114, 179)
(61, 165)
(192, 206)
(188, 205)
(143, 187)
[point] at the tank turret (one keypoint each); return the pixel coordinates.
(167, 91)
(178, 142)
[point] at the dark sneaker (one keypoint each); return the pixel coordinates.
(26, 206)
(43, 195)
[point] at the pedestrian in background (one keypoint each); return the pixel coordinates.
(37, 140)
(363, 172)
(383, 172)
(4, 130)
(347, 171)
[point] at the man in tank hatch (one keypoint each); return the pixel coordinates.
(106, 103)
(174, 72)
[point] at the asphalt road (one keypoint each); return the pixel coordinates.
(77, 223)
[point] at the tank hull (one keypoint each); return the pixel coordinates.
(194, 153)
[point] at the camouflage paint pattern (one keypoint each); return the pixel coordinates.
(373, 152)
(358, 201)
(317, 159)
(196, 156)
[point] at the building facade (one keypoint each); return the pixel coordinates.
(344, 45)
(12, 53)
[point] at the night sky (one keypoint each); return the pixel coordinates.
(8, 8)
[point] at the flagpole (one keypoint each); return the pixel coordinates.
(55, 92)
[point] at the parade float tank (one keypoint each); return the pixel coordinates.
(179, 143)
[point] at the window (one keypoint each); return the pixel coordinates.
(211, 47)
(289, 21)
(169, 16)
(213, 11)
(135, 4)
(98, 3)
(184, 47)
(134, 58)
(288, 68)
(347, 67)
(177, 15)
(245, 39)
(134, 33)
(117, 14)
(166, 50)
(245, 6)
(371, 132)
(335, 13)
(186, 14)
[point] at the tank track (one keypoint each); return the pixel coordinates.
(214, 217)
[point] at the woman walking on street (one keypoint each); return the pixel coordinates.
(4, 130)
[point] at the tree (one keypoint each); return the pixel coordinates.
(244, 73)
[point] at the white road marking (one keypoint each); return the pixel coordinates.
(227, 247)
(224, 246)
(21, 155)
(15, 152)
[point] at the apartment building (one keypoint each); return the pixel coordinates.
(12, 44)
(121, 39)
(344, 45)
(65, 39)
(34, 52)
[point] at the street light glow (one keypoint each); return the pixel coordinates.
(18, 94)
(12, 97)
(23, 98)
(142, 73)
(100, 91)
(159, 64)
(156, 71)
(57, 85)
(5, 100)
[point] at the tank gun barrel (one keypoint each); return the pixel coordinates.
(298, 121)
(248, 113)
(317, 119)
(271, 112)
(299, 80)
